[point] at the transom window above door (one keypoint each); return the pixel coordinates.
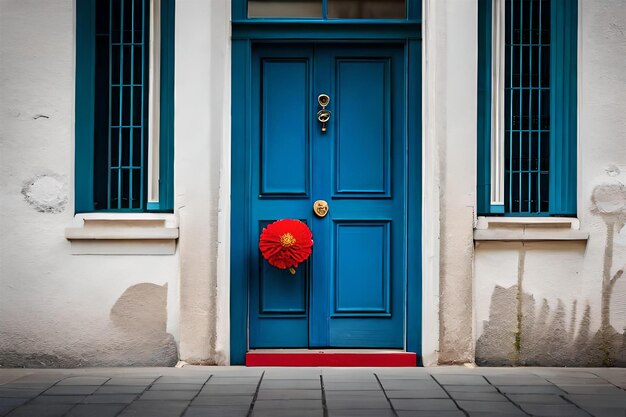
(328, 9)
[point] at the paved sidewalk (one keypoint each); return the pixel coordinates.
(315, 392)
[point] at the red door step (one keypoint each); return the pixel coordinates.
(330, 357)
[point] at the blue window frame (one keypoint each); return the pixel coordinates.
(539, 129)
(112, 107)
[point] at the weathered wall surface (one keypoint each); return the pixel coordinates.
(454, 121)
(564, 303)
(58, 309)
(202, 172)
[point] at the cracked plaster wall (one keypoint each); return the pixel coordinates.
(562, 282)
(55, 308)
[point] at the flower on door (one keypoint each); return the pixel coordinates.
(286, 243)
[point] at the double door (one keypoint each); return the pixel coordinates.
(351, 291)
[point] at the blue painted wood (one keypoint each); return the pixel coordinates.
(361, 279)
(563, 107)
(413, 53)
(361, 330)
(166, 127)
(240, 178)
(483, 178)
(326, 29)
(126, 163)
(84, 99)
(360, 246)
(280, 149)
(286, 116)
(362, 116)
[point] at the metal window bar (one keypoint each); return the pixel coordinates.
(127, 111)
(527, 95)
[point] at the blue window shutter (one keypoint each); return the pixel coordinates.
(563, 110)
(166, 128)
(484, 107)
(84, 99)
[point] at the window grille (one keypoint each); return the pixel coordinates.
(527, 107)
(121, 108)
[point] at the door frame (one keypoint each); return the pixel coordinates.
(244, 35)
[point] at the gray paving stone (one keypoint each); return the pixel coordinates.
(93, 410)
(478, 396)
(413, 413)
(238, 400)
(228, 389)
(291, 384)
(444, 379)
(289, 394)
(120, 389)
(110, 399)
(234, 380)
(470, 388)
(606, 412)
(41, 410)
(517, 380)
(353, 394)
(4, 409)
(497, 414)
(58, 399)
(168, 395)
(288, 413)
(567, 410)
(603, 401)
(489, 407)
(155, 409)
(593, 389)
(175, 387)
(546, 399)
(19, 393)
(287, 404)
(577, 381)
(14, 402)
(422, 393)
(83, 380)
(172, 379)
(356, 404)
(216, 411)
(409, 384)
(530, 389)
(426, 405)
(351, 386)
(71, 390)
(362, 413)
(144, 382)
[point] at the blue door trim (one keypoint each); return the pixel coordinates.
(241, 175)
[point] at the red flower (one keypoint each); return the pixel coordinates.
(286, 243)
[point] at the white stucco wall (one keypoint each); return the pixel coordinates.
(450, 167)
(562, 288)
(57, 309)
(202, 172)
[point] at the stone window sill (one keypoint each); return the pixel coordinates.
(528, 229)
(123, 234)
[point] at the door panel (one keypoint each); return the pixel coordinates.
(280, 157)
(362, 123)
(351, 291)
(285, 111)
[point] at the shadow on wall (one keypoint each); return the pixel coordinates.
(134, 335)
(531, 335)
(544, 339)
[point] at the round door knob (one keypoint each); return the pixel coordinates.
(320, 208)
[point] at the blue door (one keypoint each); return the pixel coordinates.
(351, 292)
